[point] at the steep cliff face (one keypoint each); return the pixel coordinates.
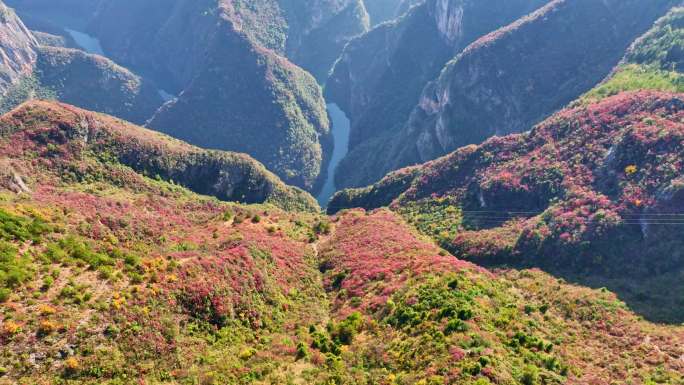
(248, 99)
(17, 49)
(478, 95)
(510, 79)
(96, 83)
(318, 32)
(379, 77)
(381, 11)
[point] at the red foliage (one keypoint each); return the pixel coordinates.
(372, 255)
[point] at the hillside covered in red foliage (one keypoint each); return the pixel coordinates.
(593, 189)
(112, 271)
(75, 144)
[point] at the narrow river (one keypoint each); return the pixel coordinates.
(340, 131)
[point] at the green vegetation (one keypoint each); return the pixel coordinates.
(29, 87)
(634, 77)
(663, 46)
(438, 218)
(130, 257)
(654, 62)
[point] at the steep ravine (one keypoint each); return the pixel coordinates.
(340, 131)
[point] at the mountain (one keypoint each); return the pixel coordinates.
(497, 85)
(653, 62)
(380, 75)
(231, 60)
(111, 270)
(96, 83)
(549, 252)
(309, 33)
(318, 30)
(38, 64)
(82, 146)
(226, 61)
(592, 191)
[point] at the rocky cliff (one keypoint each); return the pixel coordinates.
(319, 30)
(381, 11)
(17, 49)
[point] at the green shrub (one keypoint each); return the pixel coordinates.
(322, 227)
(14, 228)
(14, 270)
(345, 331)
(455, 326)
(302, 351)
(4, 294)
(47, 283)
(71, 249)
(530, 375)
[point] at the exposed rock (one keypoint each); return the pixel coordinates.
(17, 49)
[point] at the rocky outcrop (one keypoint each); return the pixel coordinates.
(381, 11)
(17, 49)
(319, 30)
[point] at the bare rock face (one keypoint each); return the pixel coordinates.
(319, 31)
(381, 11)
(17, 49)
